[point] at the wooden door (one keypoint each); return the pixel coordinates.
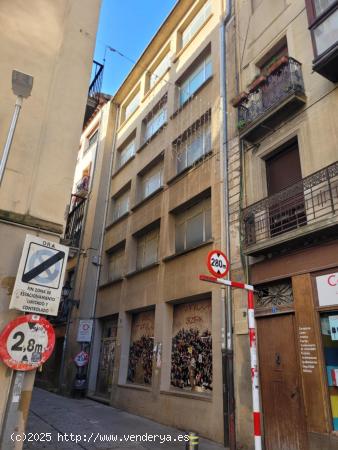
(283, 171)
(283, 410)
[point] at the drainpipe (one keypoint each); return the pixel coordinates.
(106, 208)
(227, 341)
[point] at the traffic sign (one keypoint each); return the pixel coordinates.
(84, 332)
(218, 264)
(27, 342)
(39, 280)
(81, 359)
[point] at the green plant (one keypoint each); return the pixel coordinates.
(241, 124)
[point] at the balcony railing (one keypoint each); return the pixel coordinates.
(74, 223)
(304, 206)
(283, 87)
(94, 90)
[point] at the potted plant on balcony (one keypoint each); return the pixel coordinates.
(241, 124)
(257, 81)
(239, 99)
(276, 63)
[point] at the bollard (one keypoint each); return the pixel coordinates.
(193, 442)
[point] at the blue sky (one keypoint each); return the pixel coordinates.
(127, 26)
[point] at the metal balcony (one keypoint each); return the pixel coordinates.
(307, 207)
(74, 222)
(94, 91)
(272, 101)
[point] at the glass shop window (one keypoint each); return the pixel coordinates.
(329, 329)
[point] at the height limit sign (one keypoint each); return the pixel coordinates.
(218, 264)
(39, 280)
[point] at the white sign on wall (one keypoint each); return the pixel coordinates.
(40, 275)
(327, 287)
(84, 333)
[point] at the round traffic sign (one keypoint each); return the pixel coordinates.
(81, 359)
(26, 342)
(217, 263)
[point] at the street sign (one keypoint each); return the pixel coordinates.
(26, 342)
(39, 280)
(81, 359)
(84, 332)
(218, 264)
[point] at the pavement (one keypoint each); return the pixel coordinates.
(57, 422)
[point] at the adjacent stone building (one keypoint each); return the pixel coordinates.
(54, 43)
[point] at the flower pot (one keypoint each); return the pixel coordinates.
(238, 99)
(276, 65)
(256, 83)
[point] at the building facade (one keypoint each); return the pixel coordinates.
(53, 42)
(156, 349)
(286, 106)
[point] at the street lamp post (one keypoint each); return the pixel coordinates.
(22, 85)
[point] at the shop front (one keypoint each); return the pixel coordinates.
(297, 333)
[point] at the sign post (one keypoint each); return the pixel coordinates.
(25, 343)
(253, 352)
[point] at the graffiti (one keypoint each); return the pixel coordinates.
(191, 362)
(141, 361)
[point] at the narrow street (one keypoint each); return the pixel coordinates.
(57, 422)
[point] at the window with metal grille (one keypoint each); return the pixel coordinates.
(120, 205)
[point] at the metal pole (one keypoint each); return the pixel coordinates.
(8, 143)
(254, 373)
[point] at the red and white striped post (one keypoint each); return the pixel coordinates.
(253, 352)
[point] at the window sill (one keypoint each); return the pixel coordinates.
(184, 252)
(110, 283)
(123, 166)
(144, 200)
(203, 396)
(152, 137)
(143, 269)
(188, 100)
(119, 219)
(137, 387)
(182, 50)
(185, 171)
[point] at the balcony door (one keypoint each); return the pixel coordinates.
(287, 205)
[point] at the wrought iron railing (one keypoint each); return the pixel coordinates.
(94, 90)
(279, 85)
(74, 223)
(307, 202)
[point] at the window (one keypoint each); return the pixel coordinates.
(194, 147)
(151, 180)
(115, 264)
(196, 23)
(193, 226)
(159, 71)
(322, 5)
(329, 331)
(91, 141)
(326, 33)
(155, 122)
(147, 249)
(132, 105)
(121, 205)
(195, 80)
(125, 153)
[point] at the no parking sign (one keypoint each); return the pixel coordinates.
(39, 280)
